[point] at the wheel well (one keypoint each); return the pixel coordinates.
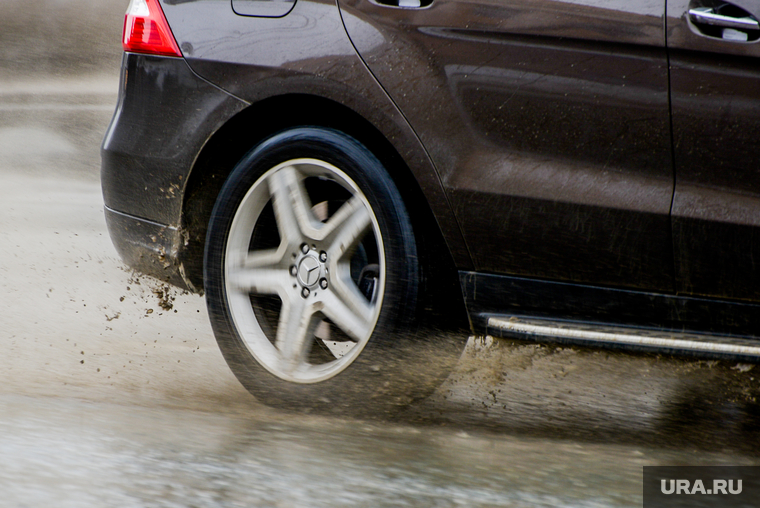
(240, 134)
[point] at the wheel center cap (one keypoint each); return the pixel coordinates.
(308, 271)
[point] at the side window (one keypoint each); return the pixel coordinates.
(263, 8)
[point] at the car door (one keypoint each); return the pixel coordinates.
(715, 79)
(548, 123)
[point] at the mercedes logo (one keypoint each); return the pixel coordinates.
(308, 271)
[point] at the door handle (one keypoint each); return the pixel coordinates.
(408, 4)
(708, 16)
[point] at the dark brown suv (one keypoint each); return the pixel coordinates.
(344, 180)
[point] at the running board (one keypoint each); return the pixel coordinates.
(567, 332)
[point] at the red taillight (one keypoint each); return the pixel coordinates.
(146, 30)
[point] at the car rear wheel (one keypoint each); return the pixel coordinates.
(312, 278)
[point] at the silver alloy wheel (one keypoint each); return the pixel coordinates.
(310, 272)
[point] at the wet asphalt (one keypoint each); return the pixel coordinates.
(113, 393)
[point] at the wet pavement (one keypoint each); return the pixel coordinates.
(77, 453)
(113, 392)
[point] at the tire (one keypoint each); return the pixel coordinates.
(312, 279)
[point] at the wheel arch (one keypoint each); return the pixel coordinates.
(243, 131)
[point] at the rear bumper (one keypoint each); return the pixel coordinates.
(165, 115)
(148, 247)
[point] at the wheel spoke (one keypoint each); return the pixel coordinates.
(293, 209)
(349, 230)
(347, 308)
(263, 281)
(335, 223)
(295, 332)
(260, 272)
(345, 305)
(289, 200)
(270, 258)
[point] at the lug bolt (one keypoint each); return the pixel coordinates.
(323, 283)
(305, 292)
(293, 270)
(304, 248)
(323, 256)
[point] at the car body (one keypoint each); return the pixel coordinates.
(586, 169)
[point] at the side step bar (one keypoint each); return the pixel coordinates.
(568, 332)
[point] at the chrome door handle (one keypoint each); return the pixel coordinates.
(707, 16)
(409, 4)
